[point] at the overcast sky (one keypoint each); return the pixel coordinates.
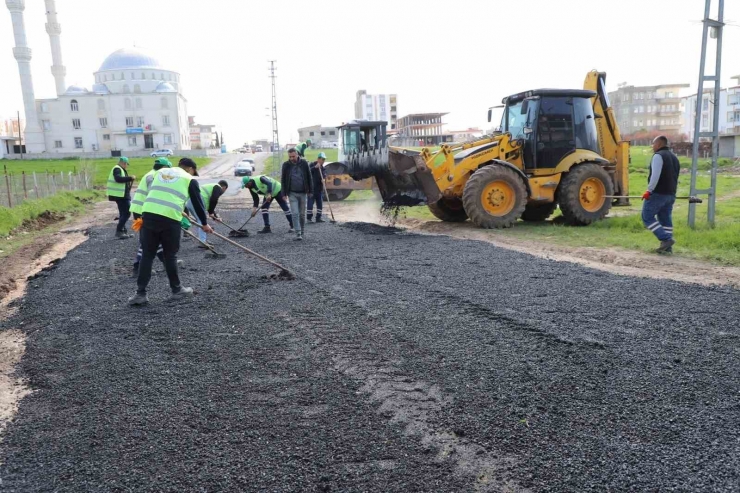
(459, 57)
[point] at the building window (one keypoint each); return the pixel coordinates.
(106, 136)
(165, 120)
(323, 133)
(133, 76)
(103, 123)
(310, 134)
(44, 108)
(165, 103)
(129, 121)
(153, 77)
(101, 104)
(143, 76)
(132, 140)
(138, 103)
(634, 123)
(73, 104)
(137, 88)
(78, 142)
(126, 89)
(168, 138)
(705, 104)
(140, 121)
(76, 123)
(127, 103)
(161, 76)
(47, 125)
(332, 132)
(123, 76)
(57, 144)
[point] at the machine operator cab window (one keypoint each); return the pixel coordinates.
(362, 136)
(552, 124)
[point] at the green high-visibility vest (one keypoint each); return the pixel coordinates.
(168, 193)
(140, 195)
(262, 188)
(116, 189)
(206, 191)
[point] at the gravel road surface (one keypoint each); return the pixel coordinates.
(395, 362)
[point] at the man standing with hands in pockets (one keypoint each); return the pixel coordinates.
(298, 185)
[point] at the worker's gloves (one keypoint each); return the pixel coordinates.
(268, 197)
(136, 226)
(185, 223)
(646, 195)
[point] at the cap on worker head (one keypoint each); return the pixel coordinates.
(124, 159)
(246, 180)
(163, 161)
(321, 156)
(186, 162)
(308, 141)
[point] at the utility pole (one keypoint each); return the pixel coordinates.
(712, 28)
(20, 134)
(277, 152)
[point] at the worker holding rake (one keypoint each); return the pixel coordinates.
(271, 189)
(658, 200)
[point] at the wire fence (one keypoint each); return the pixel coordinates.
(19, 186)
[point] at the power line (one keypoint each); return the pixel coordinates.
(277, 153)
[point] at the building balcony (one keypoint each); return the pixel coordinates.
(668, 100)
(670, 113)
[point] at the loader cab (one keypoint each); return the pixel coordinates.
(552, 123)
(360, 136)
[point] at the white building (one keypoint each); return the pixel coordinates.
(135, 104)
(377, 107)
(729, 111)
(202, 136)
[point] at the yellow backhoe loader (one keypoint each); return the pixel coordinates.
(555, 148)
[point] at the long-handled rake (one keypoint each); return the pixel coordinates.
(285, 273)
(323, 187)
(233, 232)
(214, 253)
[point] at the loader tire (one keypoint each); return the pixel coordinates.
(582, 192)
(449, 210)
(538, 212)
(494, 197)
(336, 195)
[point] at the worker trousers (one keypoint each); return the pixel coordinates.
(316, 197)
(154, 233)
(280, 199)
(202, 236)
(298, 206)
(123, 213)
(657, 215)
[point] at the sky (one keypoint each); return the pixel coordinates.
(459, 57)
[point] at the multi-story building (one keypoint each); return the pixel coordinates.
(649, 108)
(377, 107)
(729, 111)
(202, 136)
(420, 129)
(321, 137)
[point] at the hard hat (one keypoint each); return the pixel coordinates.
(163, 161)
(321, 156)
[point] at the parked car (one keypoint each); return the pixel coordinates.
(257, 148)
(245, 167)
(162, 153)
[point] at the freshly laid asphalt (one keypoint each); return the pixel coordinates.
(395, 362)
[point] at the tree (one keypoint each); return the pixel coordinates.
(222, 139)
(218, 144)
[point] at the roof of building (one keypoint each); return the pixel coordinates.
(165, 87)
(128, 58)
(76, 90)
(424, 114)
(100, 89)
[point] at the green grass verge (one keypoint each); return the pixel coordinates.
(100, 168)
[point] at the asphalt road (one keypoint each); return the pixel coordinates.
(222, 168)
(395, 362)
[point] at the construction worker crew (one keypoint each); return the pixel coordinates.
(658, 200)
(162, 217)
(119, 191)
(301, 148)
(210, 194)
(138, 202)
(271, 189)
(318, 188)
(298, 186)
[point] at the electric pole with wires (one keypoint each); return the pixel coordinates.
(277, 153)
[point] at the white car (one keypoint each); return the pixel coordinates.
(162, 153)
(258, 149)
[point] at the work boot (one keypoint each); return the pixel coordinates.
(123, 235)
(319, 220)
(139, 299)
(666, 245)
(180, 263)
(309, 219)
(299, 237)
(182, 294)
(264, 230)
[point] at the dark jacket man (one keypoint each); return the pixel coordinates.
(285, 176)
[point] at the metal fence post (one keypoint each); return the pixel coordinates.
(7, 186)
(25, 190)
(35, 185)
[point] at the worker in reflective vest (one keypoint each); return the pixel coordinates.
(271, 189)
(162, 215)
(119, 191)
(210, 194)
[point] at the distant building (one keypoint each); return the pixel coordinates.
(649, 108)
(320, 136)
(377, 107)
(202, 136)
(729, 111)
(465, 135)
(422, 129)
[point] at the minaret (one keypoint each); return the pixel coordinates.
(54, 29)
(34, 137)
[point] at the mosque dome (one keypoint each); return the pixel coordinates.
(130, 58)
(165, 87)
(100, 89)
(76, 90)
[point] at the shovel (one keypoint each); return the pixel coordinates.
(284, 272)
(323, 188)
(250, 218)
(213, 252)
(234, 232)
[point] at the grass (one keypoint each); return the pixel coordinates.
(99, 167)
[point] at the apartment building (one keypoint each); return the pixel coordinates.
(649, 108)
(420, 129)
(377, 107)
(729, 111)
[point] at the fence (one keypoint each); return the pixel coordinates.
(17, 187)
